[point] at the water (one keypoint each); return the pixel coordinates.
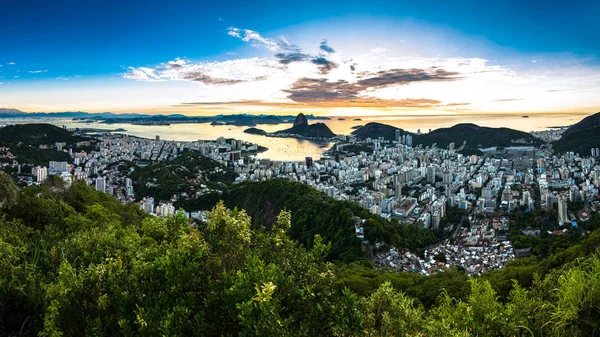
(290, 149)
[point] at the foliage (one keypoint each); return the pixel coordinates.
(34, 155)
(163, 180)
(38, 134)
(581, 141)
(86, 271)
(315, 213)
(8, 191)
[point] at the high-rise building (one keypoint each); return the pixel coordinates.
(451, 146)
(431, 174)
(157, 138)
(486, 193)
(563, 216)
(409, 140)
(398, 136)
(101, 184)
(309, 162)
(41, 173)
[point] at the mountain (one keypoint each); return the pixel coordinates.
(317, 130)
(302, 128)
(581, 141)
(376, 130)
(38, 134)
(300, 120)
(4, 112)
(253, 121)
(255, 131)
(476, 137)
(592, 121)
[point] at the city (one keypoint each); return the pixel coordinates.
(391, 179)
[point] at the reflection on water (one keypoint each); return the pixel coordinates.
(290, 149)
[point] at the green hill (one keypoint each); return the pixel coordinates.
(78, 263)
(315, 213)
(580, 141)
(592, 121)
(376, 130)
(184, 174)
(476, 137)
(38, 134)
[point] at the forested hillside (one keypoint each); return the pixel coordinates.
(85, 265)
(313, 212)
(184, 174)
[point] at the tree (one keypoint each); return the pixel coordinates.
(8, 191)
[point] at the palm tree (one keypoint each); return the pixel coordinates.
(8, 191)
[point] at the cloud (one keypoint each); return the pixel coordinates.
(324, 65)
(325, 47)
(535, 61)
(142, 74)
(257, 41)
(285, 51)
(62, 78)
(209, 80)
(37, 71)
(209, 73)
(287, 58)
(313, 90)
(508, 99)
(11, 63)
(378, 50)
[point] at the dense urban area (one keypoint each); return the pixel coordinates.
(471, 201)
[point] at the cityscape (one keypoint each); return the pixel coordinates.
(315, 168)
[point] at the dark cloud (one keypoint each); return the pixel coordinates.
(386, 78)
(353, 67)
(287, 58)
(320, 91)
(324, 65)
(209, 80)
(555, 90)
(326, 48)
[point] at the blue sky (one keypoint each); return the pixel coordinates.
(87, 55)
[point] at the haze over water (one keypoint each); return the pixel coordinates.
(290, 149)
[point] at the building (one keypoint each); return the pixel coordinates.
(41, 174)
(157, 138)
(431, 174)
(399, 136)
(309, 162)
(563, 215)
(101, 184)
(59, 166)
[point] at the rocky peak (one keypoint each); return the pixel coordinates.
(300, 120)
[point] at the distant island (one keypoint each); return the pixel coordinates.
(145, 119)
(357, 119)
(255, 131)
(341, 119)
(356, 127)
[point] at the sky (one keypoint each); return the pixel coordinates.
(333, 57)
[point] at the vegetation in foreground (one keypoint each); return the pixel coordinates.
(83, 264)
